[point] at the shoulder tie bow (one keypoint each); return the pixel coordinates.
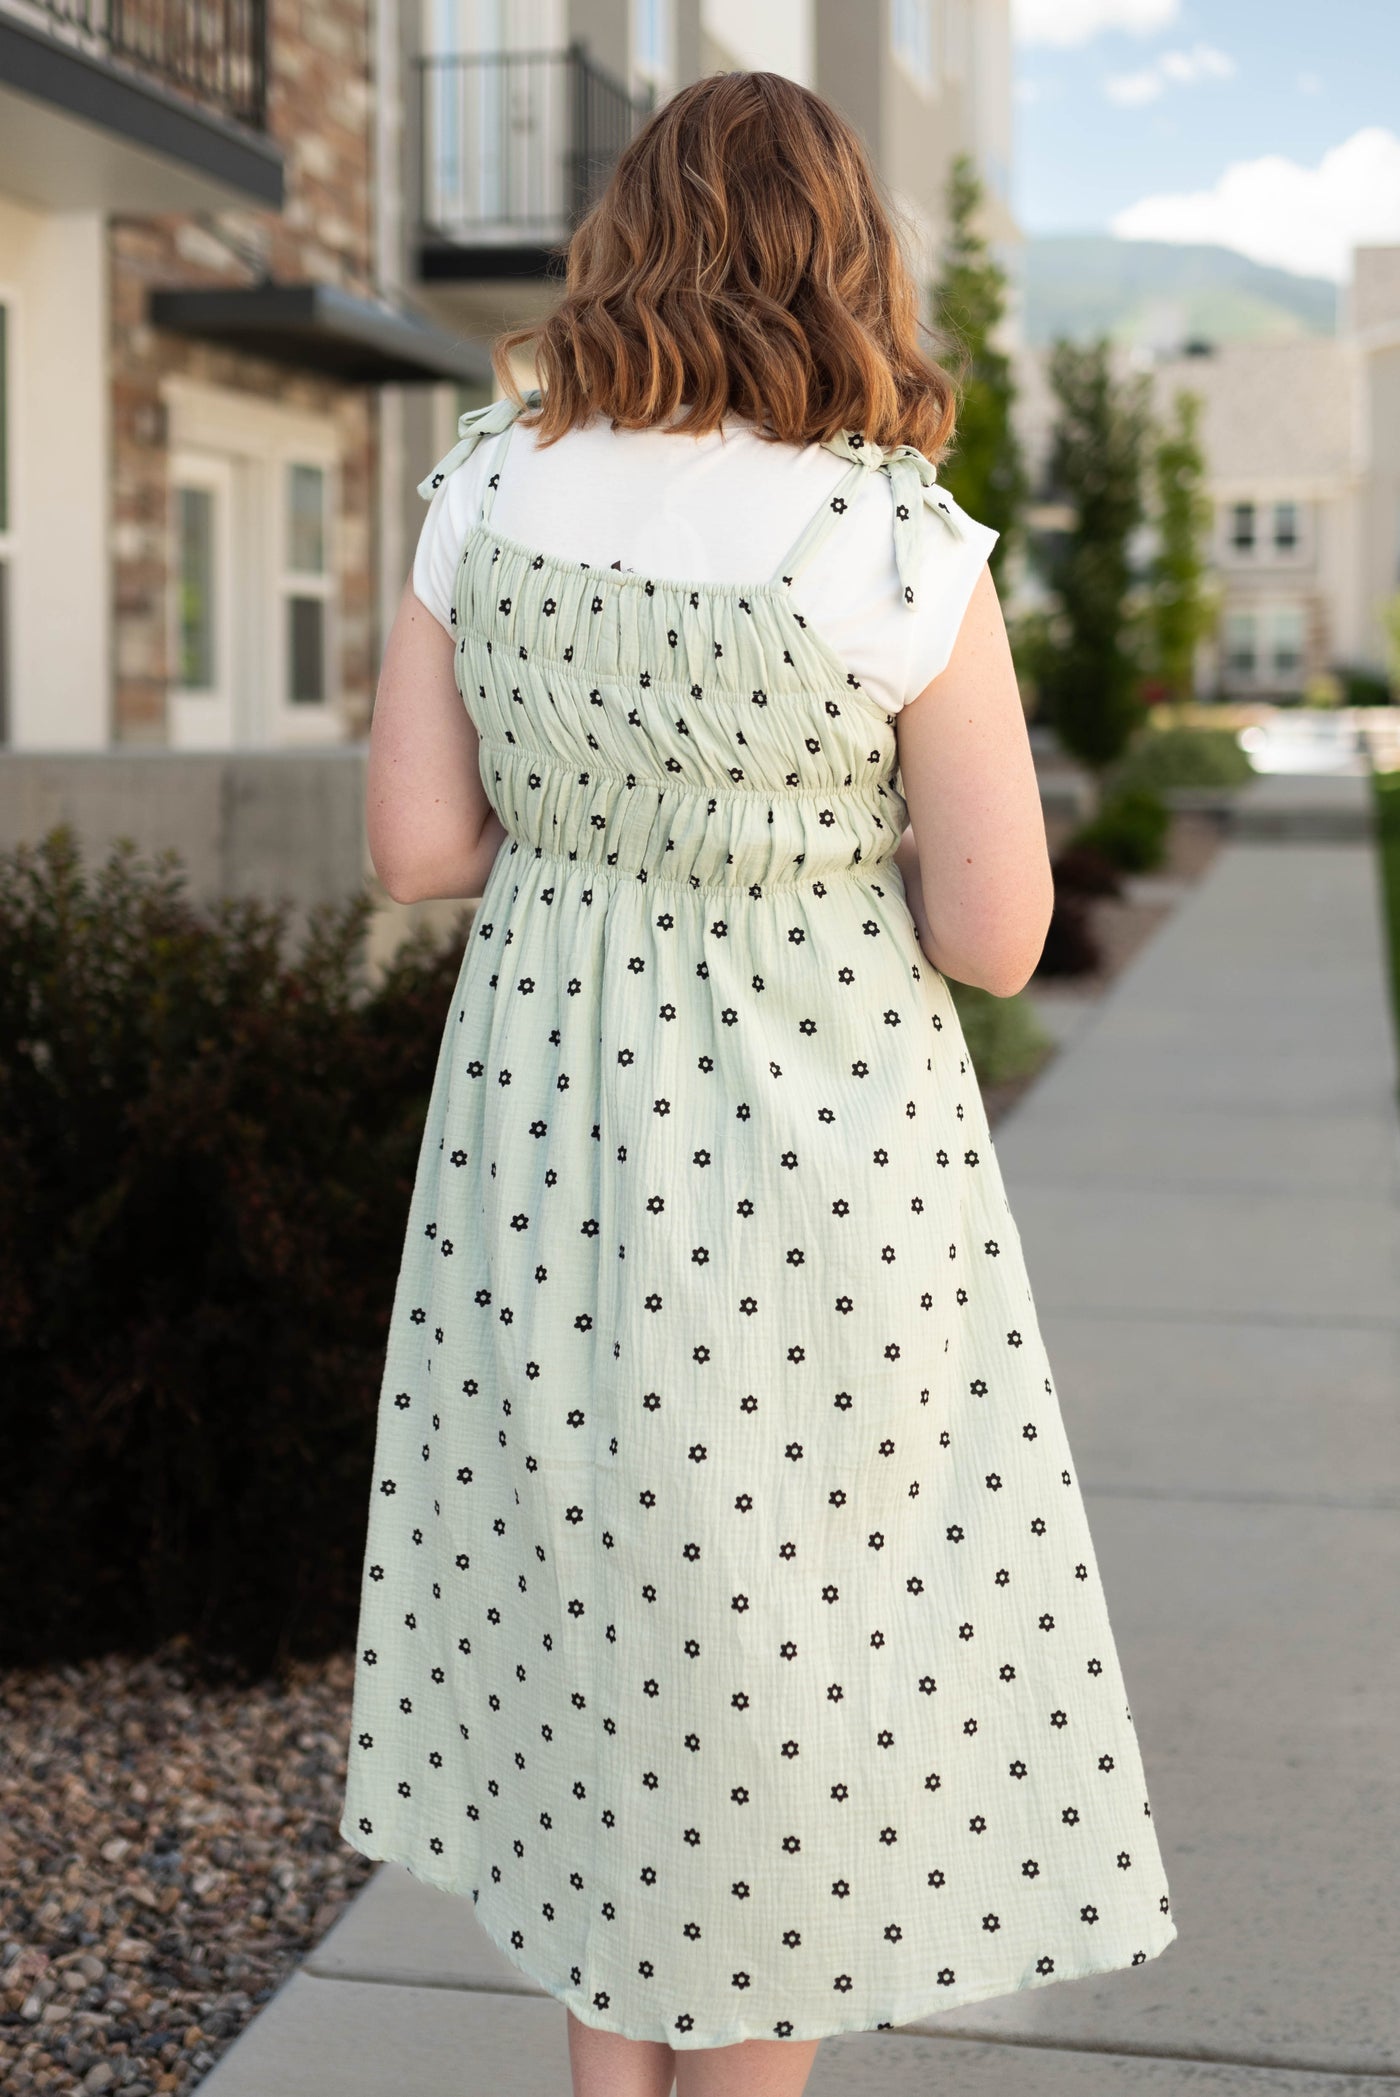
(914, 481)
(477, 423)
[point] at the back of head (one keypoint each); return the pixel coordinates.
(742, 261)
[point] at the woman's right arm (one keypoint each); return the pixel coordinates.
(968, 775)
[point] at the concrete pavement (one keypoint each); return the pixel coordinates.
(1207, 1186)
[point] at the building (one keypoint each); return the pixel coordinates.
(1302, 442)
(475, 226)
(193, 340)
(251, 261)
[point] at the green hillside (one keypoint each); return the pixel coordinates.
(1082, 285)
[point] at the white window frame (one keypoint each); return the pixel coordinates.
(200, 717)
(1237, 549)
(261, 440)
(1291, 611)
(1237, 615)
(319, 585)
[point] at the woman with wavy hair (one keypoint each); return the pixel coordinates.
(731, 1634)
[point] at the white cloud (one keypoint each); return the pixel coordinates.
(1304, 219)
(1310, 83)
(1066, 23)
(1169, 69)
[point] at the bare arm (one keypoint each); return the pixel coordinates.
(979, 860)
(432, 830)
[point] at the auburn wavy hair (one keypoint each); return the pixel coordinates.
(743, 259)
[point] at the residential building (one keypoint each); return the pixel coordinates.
(1302, 440)
(193, 337)
(252, 259)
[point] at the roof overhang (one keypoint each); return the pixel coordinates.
(318, 327)
(80, 134)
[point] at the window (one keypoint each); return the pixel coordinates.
(911, 36)
(194, 589)
(1241, 644)
(1242, 527)
(1287, 630)
(306, 585)
(1285, 527)
(651, 38)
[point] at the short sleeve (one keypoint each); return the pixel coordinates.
(451, 510)
(949, 570)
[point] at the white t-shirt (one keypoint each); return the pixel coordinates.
(726, 507)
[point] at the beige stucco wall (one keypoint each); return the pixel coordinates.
(53, 278)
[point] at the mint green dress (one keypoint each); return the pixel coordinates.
(730, 1632)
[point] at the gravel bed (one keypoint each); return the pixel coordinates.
(168, 1856)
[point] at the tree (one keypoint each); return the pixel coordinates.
(1181, 607)
(985, 472)
(1096, 467)
(1390, 627)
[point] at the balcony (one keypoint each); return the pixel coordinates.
(513, 148)
(136, 105)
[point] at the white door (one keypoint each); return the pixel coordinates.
(202, 643)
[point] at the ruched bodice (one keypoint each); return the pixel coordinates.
(670, 732)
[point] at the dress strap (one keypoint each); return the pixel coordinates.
(477, 423)
(819, 526)
(914, 483)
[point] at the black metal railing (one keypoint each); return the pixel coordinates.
(214, 51)
(515, 145)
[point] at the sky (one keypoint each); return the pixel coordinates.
(1267, 126)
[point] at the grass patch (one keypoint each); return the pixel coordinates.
(1387, 792)
(1004, 1038)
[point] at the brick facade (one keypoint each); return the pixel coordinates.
(319, 114)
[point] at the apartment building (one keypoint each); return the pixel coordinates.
(252, 258)
(1302, 440)
(192, 341)
(512, 110)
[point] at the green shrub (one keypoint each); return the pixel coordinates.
(1162, 758)
(1130, 828)
(1071, 944)
(1004, 1037)
(1362, 686)
(1084, 870)
(1386, 803)
(207, 1151)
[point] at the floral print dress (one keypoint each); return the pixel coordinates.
(730, 1630)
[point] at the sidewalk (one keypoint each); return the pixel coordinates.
(1207, 1186)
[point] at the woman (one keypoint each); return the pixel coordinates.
(730, 1631)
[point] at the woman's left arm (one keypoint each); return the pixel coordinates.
(432, 830)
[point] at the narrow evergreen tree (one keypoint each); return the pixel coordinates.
(985, 471)
(1090, 674)
(1182, 609)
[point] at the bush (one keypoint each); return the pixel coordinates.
(1130, 829)
(207, 1152)
(1162, 758)
(1084, 870)
(1362, 686)
(1071, 948)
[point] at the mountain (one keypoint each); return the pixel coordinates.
(1157, 293)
